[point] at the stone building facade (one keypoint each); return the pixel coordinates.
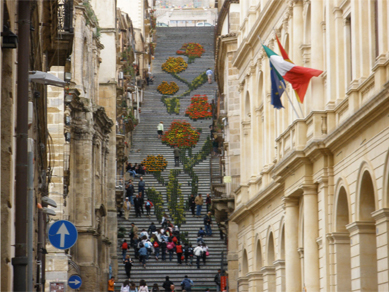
(81, 123)
(311, 205)
(16, 200)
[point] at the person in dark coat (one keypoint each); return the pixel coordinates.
(138, 204)
(167, 284)
(162, 245)
(177, 153)
(141, 186)
(130, 191)
(192, 204)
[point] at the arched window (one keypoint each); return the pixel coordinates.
(258, 259)
(270, 250)
(367, 198)
(245, 264)
(363, 235)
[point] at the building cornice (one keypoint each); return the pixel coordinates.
(270, 13)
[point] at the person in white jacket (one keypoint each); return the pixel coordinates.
(198, 252)
(125, 286)
(160, 129)
(143, 287)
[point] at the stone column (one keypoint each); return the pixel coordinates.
(297, 30)
(340, 243)
(280, 275)
(340, 60)
(292, 258)
(382, 227)
(317, 57)
(269, 278)
(311, 251)
(363, 256)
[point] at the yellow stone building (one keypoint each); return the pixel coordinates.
(311, 194)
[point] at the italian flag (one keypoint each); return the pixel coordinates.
(298, 76)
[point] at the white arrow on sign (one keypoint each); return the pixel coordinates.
(75, 282)
(63, 231)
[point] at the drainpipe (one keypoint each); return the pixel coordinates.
(30, 213)
(20, 261)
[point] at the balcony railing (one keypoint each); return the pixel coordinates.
(65, 16)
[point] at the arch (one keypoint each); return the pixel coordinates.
(258, 256)
(270, 250)
(366, 204)
(366, 194)
(245, 264)
(247, 110)
(342, 209)
(342, 214)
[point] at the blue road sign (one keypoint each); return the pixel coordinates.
(74, 282)
(63, 234)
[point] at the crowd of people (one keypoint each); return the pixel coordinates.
(165, 242)
(167, 286)
(136, 170)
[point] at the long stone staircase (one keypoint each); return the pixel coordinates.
(145, 142)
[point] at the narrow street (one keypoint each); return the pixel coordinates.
(146, 142)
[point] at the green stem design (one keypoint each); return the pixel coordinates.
(156, 198)
(192, 160)
(175, 198)
(172, 104)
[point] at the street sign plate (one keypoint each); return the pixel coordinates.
(74, 282)
(63, 234)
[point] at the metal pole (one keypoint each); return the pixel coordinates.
(30, 213)
(290, 101)
(20, 261)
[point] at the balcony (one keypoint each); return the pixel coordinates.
(61, 32)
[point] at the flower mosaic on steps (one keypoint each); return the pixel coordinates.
(168, 89)
(181, 134)
(191, 50)
(174, 65)
(199, 108)
(154, 163)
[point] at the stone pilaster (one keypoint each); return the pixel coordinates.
(255, 282)
(363, 256)
(269, 278)
(381, 217)
(280, 275)
(340, 260)
(311, 252)
(243, 284)
(292, 258)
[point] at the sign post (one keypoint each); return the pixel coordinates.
(75, 282)
(63, 234)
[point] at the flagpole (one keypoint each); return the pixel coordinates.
(301, 111)
(290, 101)
(283, 86)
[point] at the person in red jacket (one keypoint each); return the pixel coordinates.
(179, 252)
(124, 249)
(148, 206)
